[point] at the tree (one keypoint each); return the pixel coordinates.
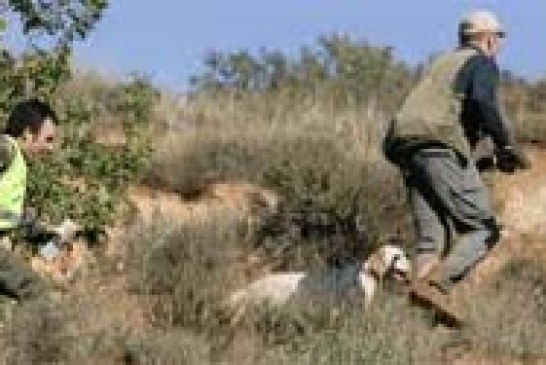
(338, 67)
(51, 26)
(62, 21)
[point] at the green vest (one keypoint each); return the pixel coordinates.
(432, 111)
(13, 183)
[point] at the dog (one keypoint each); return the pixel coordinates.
(277, 289)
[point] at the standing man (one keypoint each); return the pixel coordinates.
(30, 132)
(433, 139)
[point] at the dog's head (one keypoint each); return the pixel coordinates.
(389, 260)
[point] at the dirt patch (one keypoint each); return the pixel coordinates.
(523, 197)
(238, 198)
(476, 360)
(522, 201)
(76, 273)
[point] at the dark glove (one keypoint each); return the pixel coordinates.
(509, 159)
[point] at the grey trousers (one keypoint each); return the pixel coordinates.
(452, 212)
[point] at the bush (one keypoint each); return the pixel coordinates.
(188, 163)
(186, 271)
(86, 180)
(338, 69)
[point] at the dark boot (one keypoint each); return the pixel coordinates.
(427, 295)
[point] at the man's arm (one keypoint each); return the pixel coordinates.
(480, 82)
(482, 97)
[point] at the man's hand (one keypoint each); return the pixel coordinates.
(509, 159)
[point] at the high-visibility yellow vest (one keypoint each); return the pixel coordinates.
(13, 183)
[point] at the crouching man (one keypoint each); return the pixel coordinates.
(30, 132)
(433, 140)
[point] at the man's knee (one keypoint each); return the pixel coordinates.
(432, 237)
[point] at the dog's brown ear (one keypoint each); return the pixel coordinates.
(376, 265)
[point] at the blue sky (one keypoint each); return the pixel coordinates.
(168, 38)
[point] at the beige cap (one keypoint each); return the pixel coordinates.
(480, 21)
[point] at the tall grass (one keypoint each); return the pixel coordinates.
(191, 270)
(324, 162)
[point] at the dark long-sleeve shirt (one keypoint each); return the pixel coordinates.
(478, 80)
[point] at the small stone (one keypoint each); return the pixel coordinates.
(120, 266)
(49, 251)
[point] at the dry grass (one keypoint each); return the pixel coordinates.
(226, 137)
(508, 321)
(324, 163)
(191, 269)
(335, 192)
(244, 139)
(509, 315)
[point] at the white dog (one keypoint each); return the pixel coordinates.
(277, 289)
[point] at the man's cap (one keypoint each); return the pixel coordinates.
(480, 21)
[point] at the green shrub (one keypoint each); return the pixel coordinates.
(35, 74)
(85, 180)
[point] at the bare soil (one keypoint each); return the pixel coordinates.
(521, 199)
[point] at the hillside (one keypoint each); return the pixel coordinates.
(185, 199)
(100, 276)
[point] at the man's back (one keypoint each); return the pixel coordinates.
(431, 113)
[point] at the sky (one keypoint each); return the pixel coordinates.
(167, 39)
